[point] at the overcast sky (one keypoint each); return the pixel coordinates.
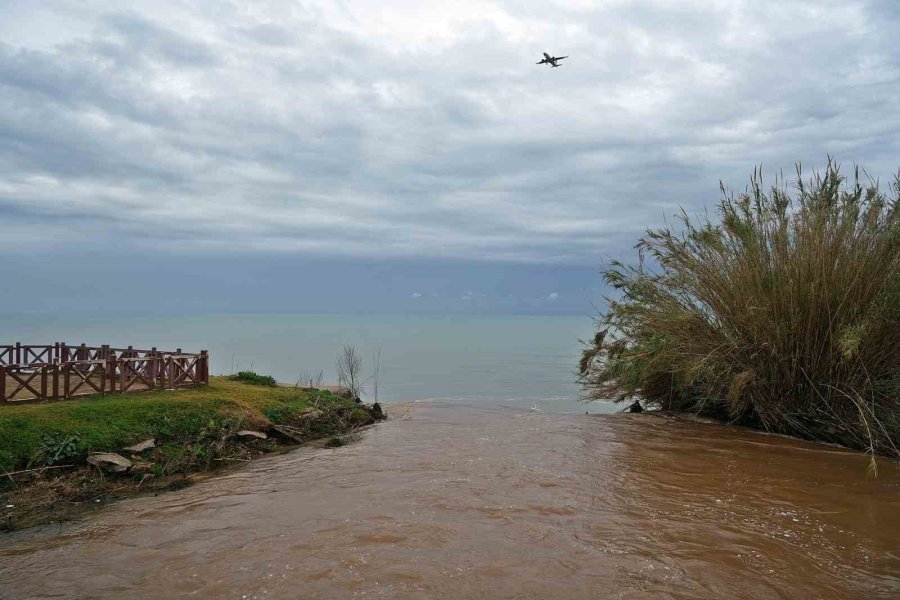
(418, 140)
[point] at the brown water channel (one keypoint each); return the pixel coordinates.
(459, 502)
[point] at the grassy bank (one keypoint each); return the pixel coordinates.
(781, 314)
(193, 431)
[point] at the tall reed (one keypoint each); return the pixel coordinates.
(783, 313)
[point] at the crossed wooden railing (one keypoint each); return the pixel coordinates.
(60, 371)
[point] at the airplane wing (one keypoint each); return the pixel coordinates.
(546, 56)
(560, 57)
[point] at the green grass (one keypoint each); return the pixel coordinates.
(71, 429)
(783, 313)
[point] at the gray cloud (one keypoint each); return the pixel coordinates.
(409, 129)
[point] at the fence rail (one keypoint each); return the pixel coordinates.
(31, 373)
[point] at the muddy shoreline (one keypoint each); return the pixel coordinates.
(49, 498)
(72, 487)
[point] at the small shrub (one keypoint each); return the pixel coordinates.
(56, 450)
(783, 314)
(254, 379)
(334, 442)
(349, 369)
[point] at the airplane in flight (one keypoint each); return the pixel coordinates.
(551, 60)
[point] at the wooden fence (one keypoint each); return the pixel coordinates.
(30, 373)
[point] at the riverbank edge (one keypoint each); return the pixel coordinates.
(44, 448)
(874, 458)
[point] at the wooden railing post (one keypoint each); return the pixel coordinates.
(67, 374)
(111, 371)
(204, 365)
(103, 378)
(44, 370)
(123, 367)
(150, 371)
(54, 372)
(18, 360)
(157, 368)
(2, 383)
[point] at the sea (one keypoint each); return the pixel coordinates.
(516, 361)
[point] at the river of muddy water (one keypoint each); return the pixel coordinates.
(471, 502)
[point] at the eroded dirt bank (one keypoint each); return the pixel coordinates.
(63, 459)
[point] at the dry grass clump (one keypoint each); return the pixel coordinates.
(782, 314)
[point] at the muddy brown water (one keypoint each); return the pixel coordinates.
(464, 502)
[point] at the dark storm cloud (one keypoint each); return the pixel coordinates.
(410, 129)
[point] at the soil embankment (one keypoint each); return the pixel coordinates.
(60, 459)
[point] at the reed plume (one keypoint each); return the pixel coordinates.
(782, 313)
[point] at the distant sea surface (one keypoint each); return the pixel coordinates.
(517, 361)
